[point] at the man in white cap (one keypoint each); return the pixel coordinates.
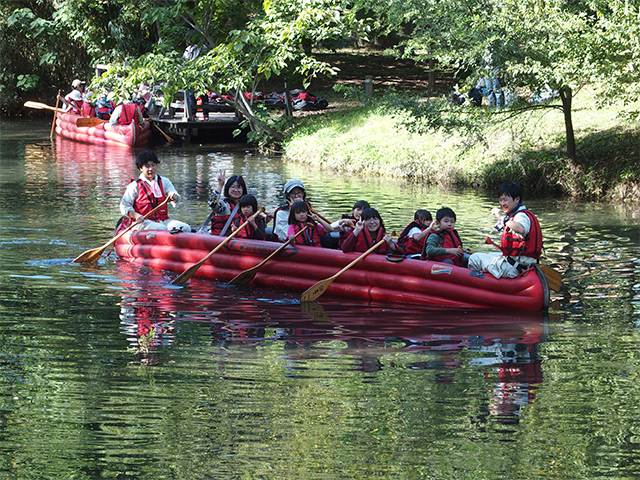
(75, 97)
(293, 192)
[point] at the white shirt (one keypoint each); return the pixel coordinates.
(131, 193)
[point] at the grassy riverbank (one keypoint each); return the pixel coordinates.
(354, 138)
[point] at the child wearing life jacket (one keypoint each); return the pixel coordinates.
(414, 236)
(294, 191)
(368, 231)
(445, 245)
(348, 221)
(299, 215)
(256, 228)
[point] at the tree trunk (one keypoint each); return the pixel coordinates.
(432, 75)
(566, 96)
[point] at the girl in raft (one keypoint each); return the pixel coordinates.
(224, 201)
(256, 228)
(368, 231)
(414, 236)
(348, 221)
(299, 215)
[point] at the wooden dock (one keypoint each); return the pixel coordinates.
(184, 121)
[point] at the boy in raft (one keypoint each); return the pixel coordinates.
(293, 192)
(256, 228)
(348, 221)
(368, 231)
(224, 200)
(445, 245)
(414, 236)
(521, 241)
(299, 215)
(147, 192)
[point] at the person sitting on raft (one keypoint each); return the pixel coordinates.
(348, 221)
(293, 192)
(88, 107)
(256, 228)
(368, 231)
(147, 192)
(74, 97)
(414, 236)
(445, 245)
(224, 202)
(125, 113)
(521, 241)
(299, 216)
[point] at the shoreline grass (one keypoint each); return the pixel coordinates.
(528, 148)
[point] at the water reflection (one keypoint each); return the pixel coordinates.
(502, 348)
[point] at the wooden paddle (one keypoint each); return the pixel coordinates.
(319, 288)
(320, 216)
(169, 139)
(245, 277)
(554, 279)
(43, 106)
(53, 124)
(71, 107)
(92, 256)
(89, 121)
(189, 272)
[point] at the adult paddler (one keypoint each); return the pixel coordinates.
(521, 242)
(147, 192)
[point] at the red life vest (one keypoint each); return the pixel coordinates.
(512, 244)
(128, 114)
(344, 232)
(147, 201)
(248, 231)
(407, 244)
(365, 241)
(219, 221)
(76, 106)
(88, 109)
(310, 238)
(449, 239)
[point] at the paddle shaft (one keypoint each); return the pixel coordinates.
(320, 216)
(71, 106)
(319, 288)
(189, 272)
(53, 124)
(169, 139)
(93, 254)
(246, 276)
(43, 106)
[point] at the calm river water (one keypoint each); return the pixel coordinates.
(110, 371)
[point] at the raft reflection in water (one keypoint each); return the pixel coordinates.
(502, 348)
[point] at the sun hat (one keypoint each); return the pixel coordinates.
(291, 184)
(77, 82)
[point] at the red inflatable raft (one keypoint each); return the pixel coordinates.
(374, 278)
(104, 133)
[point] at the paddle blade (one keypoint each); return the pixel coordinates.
(89, 122)
(245, 277)
(90, 256)
(554, 279)
(187, 274)
(316, 290)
